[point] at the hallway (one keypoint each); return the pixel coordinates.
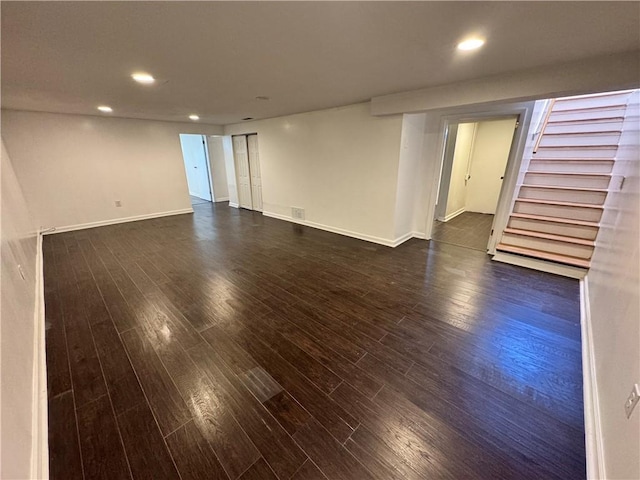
(226, 344)
(469, 229)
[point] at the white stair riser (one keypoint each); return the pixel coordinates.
(575, 140)
(576, 152)
(560, 248)
(564, 229)
(557, 195)
(584, 181)
(594, 114)
(591, 102)
(569, 268)
(584, 127)
(585, 166)
(559, 211)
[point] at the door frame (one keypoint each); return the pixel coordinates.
(205, 146)
(523, 112)
(450, 141)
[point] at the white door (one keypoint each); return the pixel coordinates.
(196, 165)
(254, 169)
(488, 163)
(241, 160)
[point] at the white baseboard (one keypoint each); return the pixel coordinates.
(222, 199)
(341, 231)
(39, 418)
(234, 205)
(401, 239)
(540, 265)
(452, 215)
(114, 221)
(592, 426)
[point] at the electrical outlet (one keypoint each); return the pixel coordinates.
(118, 203)
(297, 213)
(632, 400)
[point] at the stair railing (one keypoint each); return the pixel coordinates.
(544, 125)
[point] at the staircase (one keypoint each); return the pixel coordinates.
(557, 213)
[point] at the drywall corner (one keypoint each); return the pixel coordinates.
(40, 437)
(592, 425)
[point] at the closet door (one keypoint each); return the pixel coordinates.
(254, 169)
(241, 160)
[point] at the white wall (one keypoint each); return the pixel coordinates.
(614, 301)
(488, 162)
(412, 138)
(457, 197)
(72, 168)
(340, 165)
(18, 243)
(218, 168)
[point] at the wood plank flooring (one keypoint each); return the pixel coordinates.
(228, 345)
(469, 229)
(198, 201)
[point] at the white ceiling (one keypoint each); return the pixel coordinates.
(214, 58)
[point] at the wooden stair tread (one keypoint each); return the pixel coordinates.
(590, 109)
(550, 236)
(572, 174)
(561, 204)
(604, 146)
(567, 221)
(553, 257)
(559, 187)
(589, 120)
(596, 132)
(573, 159)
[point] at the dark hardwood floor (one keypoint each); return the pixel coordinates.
(198, 201)
(469, 229)
(226, 344)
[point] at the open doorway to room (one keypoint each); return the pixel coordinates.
(196, 164)
(475, 160)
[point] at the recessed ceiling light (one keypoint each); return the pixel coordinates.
(105, 109)
(143, 78)
(194, 117)
(471, 44)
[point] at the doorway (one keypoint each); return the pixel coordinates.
(473, 171)
(247, 165)
(196, 164)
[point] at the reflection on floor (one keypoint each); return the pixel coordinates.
(230, 345)
(198, 200)
(469, 229)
